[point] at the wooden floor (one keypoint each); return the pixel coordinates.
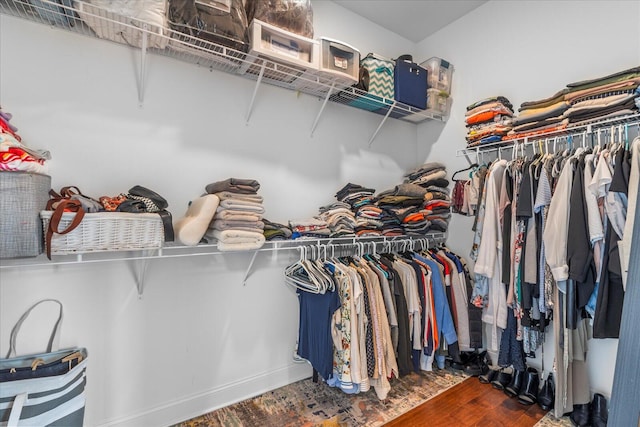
(471, 403)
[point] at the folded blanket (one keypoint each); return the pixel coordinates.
(236, 185)
(406, 189)
(579, 95)
(598, 104)
(240, 206)
(491, 105)
(618, 76)
(310, 222)
(423, 169)
(500, 99)
(253, 198)
(536, 114)
(556, 97)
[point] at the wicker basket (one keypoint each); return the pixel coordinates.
(22, 196)
(106, 231)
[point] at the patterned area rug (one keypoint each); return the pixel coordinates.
(307, 404)
(550, 421)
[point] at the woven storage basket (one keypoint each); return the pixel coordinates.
(22, 196)
(106, 231)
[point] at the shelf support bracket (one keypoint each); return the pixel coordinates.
(249, 267)
(255, 91)
(140, 271)
(324, 104)
(143, 62)
(386, 116)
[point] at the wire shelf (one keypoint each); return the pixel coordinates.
(73, 16)
(351, 245)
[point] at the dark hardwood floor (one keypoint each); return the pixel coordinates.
(471, 403)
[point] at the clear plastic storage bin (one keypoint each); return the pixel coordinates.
(440, 73)
(338, 59)
(438, 102)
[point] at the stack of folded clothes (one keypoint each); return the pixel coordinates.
(339, 218)
(404, 205)
(237, 224)
(579, 103)
(535, 117)
(355, 195)
(369, 220)
(312, 228)
(603, 97)
(14, 154)
(488, 120)
(275, 231)
(436, 207)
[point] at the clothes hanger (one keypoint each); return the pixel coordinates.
(453, 177)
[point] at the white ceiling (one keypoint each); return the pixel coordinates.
(412, 19)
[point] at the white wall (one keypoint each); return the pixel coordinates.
(528, 50)
(198, 339)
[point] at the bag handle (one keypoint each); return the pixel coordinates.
(55, 334)
(56, 217)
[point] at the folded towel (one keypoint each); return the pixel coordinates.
(233, 215)
(254, 198)
(249, 246)
(238, 239)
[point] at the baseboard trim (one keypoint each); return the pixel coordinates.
(201, 403)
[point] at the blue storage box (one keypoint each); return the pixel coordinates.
(410, 83)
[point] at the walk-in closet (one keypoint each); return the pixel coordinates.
(320, 250)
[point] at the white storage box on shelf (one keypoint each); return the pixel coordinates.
(286, 56)
(106, 231)
(439, 74)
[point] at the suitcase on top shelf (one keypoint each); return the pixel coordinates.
(410, 82)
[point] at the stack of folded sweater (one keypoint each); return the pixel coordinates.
(312, 228)
(14, 154)
(536, 117)
(603, 97)
(436, 207)
(369, 220)
(237, 224)
(339, 218)
(580, 103)
(488, 120)
(404, 204)
(275, 231)
(355, 195)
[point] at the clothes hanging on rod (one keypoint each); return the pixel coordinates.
(386, 315)
(556, 219)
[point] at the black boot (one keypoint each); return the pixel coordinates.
(547, 394)
(513, 389)
(501, 379)
(599, 410)
(581, 415)
(529, 392)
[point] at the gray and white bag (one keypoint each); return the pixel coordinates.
(45, 389)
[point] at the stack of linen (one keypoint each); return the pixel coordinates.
(339, 218)
(488, 120)
(436, 207)
(237, 224)
(312, 228)
(275, 231)
(15, 156)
